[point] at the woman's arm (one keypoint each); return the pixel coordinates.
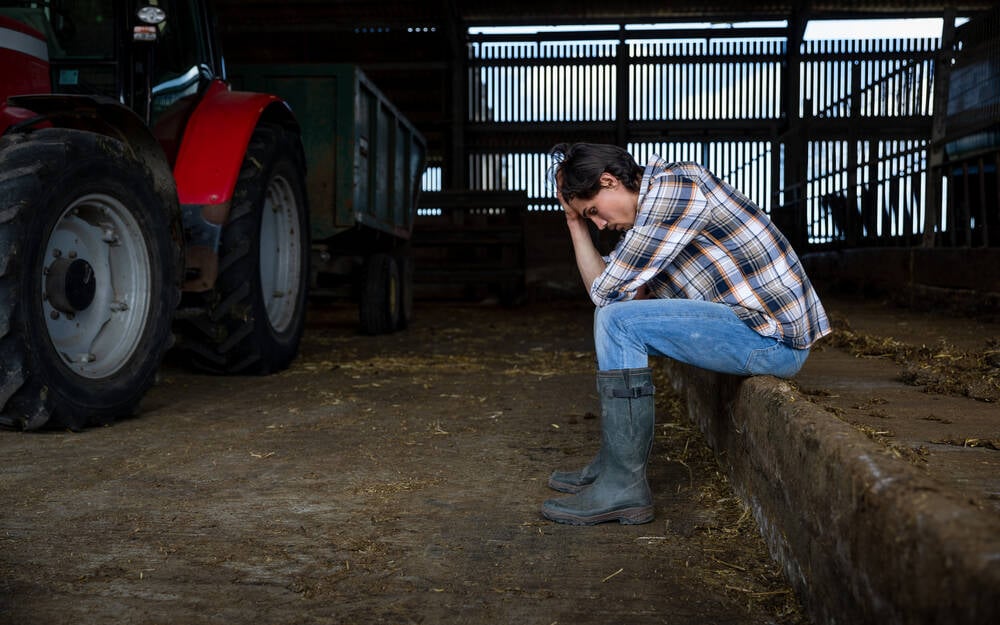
(588, 260)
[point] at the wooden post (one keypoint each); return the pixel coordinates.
(621, 90)
(796, 143)
(935, 152)
(454, 174)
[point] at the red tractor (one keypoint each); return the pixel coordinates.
(139, 196)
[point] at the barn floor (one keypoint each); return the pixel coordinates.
(392, 479)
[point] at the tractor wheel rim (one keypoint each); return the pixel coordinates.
(280, 254)
(96, 286)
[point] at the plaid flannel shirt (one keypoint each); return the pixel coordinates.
(696, 237)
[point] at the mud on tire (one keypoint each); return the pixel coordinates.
(90, 265)
(251, 322)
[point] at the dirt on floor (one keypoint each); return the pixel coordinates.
(392, 479)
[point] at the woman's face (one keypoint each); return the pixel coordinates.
(613, 208)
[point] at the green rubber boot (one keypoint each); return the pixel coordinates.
(619, 491)
(574, 481)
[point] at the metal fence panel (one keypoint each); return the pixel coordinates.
(850, 162)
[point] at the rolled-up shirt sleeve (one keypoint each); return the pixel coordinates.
(671, 212)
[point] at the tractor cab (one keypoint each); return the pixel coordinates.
(155, 57)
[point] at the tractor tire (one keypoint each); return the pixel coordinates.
(90, 266)
(379, 307)
(251, 322)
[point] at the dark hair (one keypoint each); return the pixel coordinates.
(580, 166)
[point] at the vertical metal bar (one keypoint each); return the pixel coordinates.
(693, 68)
(515, 85)
(711, 87)
(996, 205)
(908, 207)
(764, 84)
(638, 83)
(965, 208)
(527, 80)
(714, 88)
(730, 84)
(771, 89)
(533, 87)
(765, 158)
(509, 85)
(832, 75)
(731, 69)
(854, 114)
(756, 76)
(704, 84)
(583, 97)
(565, 90)
(736, 82)
(984, 233)
(697, 85)
(688, 102)
(676, 82)
(547, 88)
(952, 207)
(682, 83)
(518, 87)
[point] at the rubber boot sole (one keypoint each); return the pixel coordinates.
(626, 516)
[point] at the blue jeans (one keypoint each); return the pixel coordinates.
(703, 334)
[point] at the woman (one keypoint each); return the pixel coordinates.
(701, 275)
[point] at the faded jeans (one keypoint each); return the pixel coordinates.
(704, 334)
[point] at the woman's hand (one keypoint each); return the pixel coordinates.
(571, 215)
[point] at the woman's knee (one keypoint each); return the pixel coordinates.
(608, 319)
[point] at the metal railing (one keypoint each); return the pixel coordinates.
(847, 165)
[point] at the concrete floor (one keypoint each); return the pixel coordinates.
(391, 479)
(397, 479)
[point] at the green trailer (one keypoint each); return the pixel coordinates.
(365, 161)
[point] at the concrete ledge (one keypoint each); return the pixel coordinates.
(863, 537)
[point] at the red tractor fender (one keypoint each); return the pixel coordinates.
(207, 166)
(13, 116)
(216, 139)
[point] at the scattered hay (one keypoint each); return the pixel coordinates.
(734, 558)
(985, 443)
(884, 437)
(941, 369)
(531, 363)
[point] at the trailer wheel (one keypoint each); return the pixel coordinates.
(380, 305)
(252, 320)
(90, 262)
(404, 262)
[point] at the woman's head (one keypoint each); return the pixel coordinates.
(577, 168)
